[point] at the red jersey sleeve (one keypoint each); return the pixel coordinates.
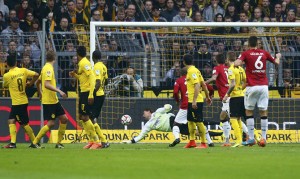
(269, 57)
(176, 91)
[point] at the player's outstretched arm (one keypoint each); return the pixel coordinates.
(230, 89)
(146, 129)
(213, 78)
(204, 87)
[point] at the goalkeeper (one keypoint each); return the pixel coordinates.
(162, 121)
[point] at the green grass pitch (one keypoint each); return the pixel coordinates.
(151, 161)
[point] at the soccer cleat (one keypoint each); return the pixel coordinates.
(237, 145)
(202, 146)
(96, 146)
(10, 146)
(59, 146)
(175, 142)
(35, 146)
(211, 145)
(226, 144)
(89, 145)
(249, 142)
(262, 142)
(190, 144)
(105, 144)
(245, 136)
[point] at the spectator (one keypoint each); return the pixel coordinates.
(3, 24)
(288, 80)
(243, 18)
(201, 4)
(104, 11)
(202, 57)
(266, 8)
(59, 38)
(25, 25)
(3, 66)
(23, 9)
(38, 7)
(278, 14)
(49, 8)
(156, 17)
(13, 31)
(219, 30)
(229, 30)
(207, 71)
(12, 50)
(96, 16)
(118, 4)
(131, 14)
(146, 14)
(298, 12)
(190, 8)
(27, 62)
(70, 13)
(161, 4)
(79, 11)
(120, 15)
(291, 16)
(4, 10)
(197, 17)
(190, 48)
(237, 46)
(210, 12)
(182, 16)
(257, 15)
(36, 51)
(245, 46)
(170, 11)
(287, 5)
(35, 26)
(231, 12)
(12, 14)
(136, 82)
(172, 74)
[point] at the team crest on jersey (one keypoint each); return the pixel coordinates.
(48, 73)
(97, 72)
(194, 75)
(52, 116)
(230, 72)
(87, 67)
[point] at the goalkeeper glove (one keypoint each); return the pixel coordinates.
(168, 107)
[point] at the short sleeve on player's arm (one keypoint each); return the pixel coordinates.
(270, 57)
(242, 56)
(30, 72)
(87, 69)
(98, 74)
(48, 74)
(5, 80)
(215, 71)
(231, 75)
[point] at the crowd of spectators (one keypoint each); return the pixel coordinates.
(21, 19)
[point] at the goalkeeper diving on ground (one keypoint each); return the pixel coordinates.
(162, 120)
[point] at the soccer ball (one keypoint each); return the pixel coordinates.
(126, 119)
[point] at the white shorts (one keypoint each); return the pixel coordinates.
(257, 95)
(225, 106)
(181, 116)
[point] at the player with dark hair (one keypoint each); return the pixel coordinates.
(86, 78)
(15, 80)
(100, 72)
(220, 76)
(237, 84)
(257, 87)
(194, 82)
(52, 108)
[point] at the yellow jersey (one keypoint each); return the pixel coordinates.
(85, 72)
(238, 74)
(15, 79)
(48, 96)
(100, 72)
(193, 77)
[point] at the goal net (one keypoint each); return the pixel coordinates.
(155, 50)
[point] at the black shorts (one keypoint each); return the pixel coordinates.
(52, 111)
(237, 107)
(84, 107)
(96, 107)
(184, 129)
(195, 115)
(19, 113)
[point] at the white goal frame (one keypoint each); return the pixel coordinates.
(181, 24)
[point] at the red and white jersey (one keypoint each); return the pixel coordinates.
(221, 71)
(180, 86)
(256, 61)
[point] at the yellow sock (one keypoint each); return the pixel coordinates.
(29, 132)
(13, 133)
(99, 132)
(192, 130)
(84, 127)
(42, 132)
(90, 130)
(61, 132)
(202, 130)
(241, 125)
(236, 129)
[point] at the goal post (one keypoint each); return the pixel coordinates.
(155, 49)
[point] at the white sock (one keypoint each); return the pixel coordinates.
(245, 129)
(264, 128)
(226, 130)
(250, 126)
(209, 141)
(176, 132)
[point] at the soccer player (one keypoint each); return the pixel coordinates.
(15, 80)
(257, 87)
(220, 76)
(86, 78)
(52, 108)
(181, 117)
(100, 72)
(237, 84)
(194, 82)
